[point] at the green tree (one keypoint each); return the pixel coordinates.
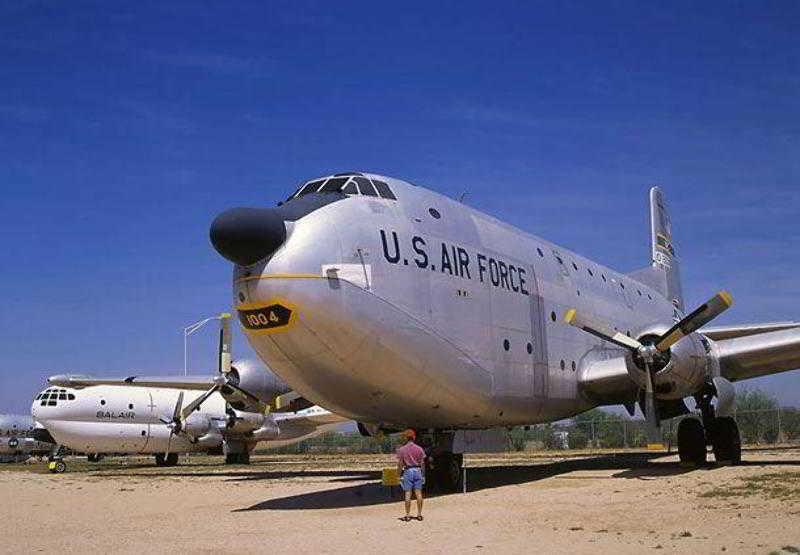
(756, 415)
(606, 428)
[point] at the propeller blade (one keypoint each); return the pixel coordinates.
(590, 325)
(197, 402)
(651, 419)
(224, 343)
(709, 310)
(176, 413)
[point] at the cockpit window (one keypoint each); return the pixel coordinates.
(365, 186)
(310, 187)
(384, 190)
(351, 183)
(333, 185)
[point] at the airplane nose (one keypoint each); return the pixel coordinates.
(246, 235)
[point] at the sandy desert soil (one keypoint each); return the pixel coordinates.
(629, 503)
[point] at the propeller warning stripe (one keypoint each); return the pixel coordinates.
(712, 308)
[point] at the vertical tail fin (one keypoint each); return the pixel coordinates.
(664, 271)
(664, 258)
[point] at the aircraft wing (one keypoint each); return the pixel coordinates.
(717, 333)
(760, 354)
(742, 353)
(306, 419)
(200, 383)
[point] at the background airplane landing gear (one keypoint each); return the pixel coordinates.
(236, 452)
(94, 457)
(57, 466)
(163, 459)
(237, 458)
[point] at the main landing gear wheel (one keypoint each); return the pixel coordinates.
(94, 457)
(162, 459)
(691, 442)
(237, 458)
(726, 441)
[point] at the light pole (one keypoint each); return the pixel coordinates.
(189, 330)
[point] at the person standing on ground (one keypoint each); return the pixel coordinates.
(411, 466)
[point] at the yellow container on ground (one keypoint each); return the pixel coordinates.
(390, 477)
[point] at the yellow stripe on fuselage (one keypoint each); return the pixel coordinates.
(280, 276)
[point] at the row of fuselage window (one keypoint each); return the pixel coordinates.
(529, 348)
(591, 273)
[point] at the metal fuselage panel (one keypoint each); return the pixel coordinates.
(402, 318)
(108, 419)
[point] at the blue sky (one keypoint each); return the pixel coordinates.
(124, 128)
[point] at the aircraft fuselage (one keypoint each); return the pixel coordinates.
(424, 312)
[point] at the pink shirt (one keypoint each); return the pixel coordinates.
(411, 454)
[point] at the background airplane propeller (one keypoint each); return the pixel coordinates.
(175, 423)
(653, 353)
(179, 415)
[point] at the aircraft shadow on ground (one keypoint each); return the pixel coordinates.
(246, 475)
(630, 466)
(478, 478)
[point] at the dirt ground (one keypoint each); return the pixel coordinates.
(517, 503)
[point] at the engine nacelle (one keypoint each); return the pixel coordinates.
(196, 424)
(269, 430)
(210, 440)
(240, 422)
(681, 372)
(255, 379)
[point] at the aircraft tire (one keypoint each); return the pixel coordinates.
(233, 458)
(726, 441)
(691, 442)
(171, 459)
(446, 473)
(160, 461)
(94, 457)
(57, 467)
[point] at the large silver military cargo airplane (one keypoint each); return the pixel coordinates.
(398, 307)
(244, 404)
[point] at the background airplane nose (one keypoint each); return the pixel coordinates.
(246, 235)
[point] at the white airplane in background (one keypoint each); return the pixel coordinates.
(244, 405)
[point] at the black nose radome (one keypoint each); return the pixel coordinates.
(246, 235)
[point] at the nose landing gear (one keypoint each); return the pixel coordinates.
(720, 432)
(443, 468)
